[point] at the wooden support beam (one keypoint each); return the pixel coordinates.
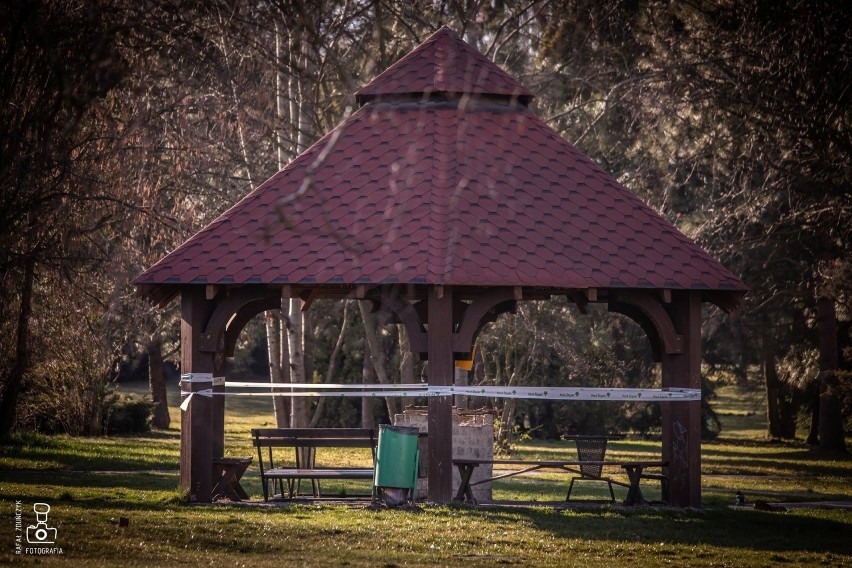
(681, 421)
(645, 308)
(313, 295)
(441, 373)
(476, 312)
(196, 433)
(211, 290)
(580, 301)
(592, 294)
(227, 308)
(217, 409)
(666, 296)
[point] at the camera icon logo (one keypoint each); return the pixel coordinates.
(40, 533)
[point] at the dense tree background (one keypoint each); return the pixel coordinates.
(128, 126)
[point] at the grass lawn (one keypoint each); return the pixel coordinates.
(90, 483)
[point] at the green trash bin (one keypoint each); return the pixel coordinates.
(397, 460)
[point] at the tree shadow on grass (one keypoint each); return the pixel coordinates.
(724, 528)
(113, 490)
(153, 450)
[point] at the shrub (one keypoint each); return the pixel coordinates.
(127, 413)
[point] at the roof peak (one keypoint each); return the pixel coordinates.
(444, 63)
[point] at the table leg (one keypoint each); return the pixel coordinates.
(238, 489)
(634, 492)
(228, 475)
(224, 487)
(465, 493)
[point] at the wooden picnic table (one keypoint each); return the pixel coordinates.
(634, 470)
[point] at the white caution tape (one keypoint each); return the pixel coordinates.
(328, 386)
(196, 378)
(547, 393)
(340, 394)
(185, 404)
(572, 393)
(202, 378)
(419, 389)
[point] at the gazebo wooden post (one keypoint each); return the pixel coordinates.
(196, 431)
(440, 350)
(681, 421)
(217, 418)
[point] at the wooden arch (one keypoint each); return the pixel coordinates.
(647, 311)
(232, 313)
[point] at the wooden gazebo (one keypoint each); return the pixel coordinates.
(444, 200)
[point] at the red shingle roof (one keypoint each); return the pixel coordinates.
(459, 192)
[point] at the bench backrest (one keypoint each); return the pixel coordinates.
(314, 437)
(310, 439)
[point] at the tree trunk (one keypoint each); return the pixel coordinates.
(460, 379)
(332, 363)
(787, 410)
(377, 356)
(506, 426)
(367, 377)
(95, 426)
(157, 382)
(278, 364)
(308, 342)
(406, 363)
(770, 375)
(295, 337)
(813, 433)
(831, 435)
(9, 402)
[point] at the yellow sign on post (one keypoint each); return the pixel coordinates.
(467, 365)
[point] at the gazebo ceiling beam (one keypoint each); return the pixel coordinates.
(727, 301)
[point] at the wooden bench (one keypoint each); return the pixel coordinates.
(635, 472)
(304, 466)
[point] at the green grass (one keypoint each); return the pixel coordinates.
(92, 482)
(742, 412)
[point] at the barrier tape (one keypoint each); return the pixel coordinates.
(419, 389)
(331, 386)
(202, 378)
(574, 393)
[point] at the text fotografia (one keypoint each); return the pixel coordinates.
(40, 537)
